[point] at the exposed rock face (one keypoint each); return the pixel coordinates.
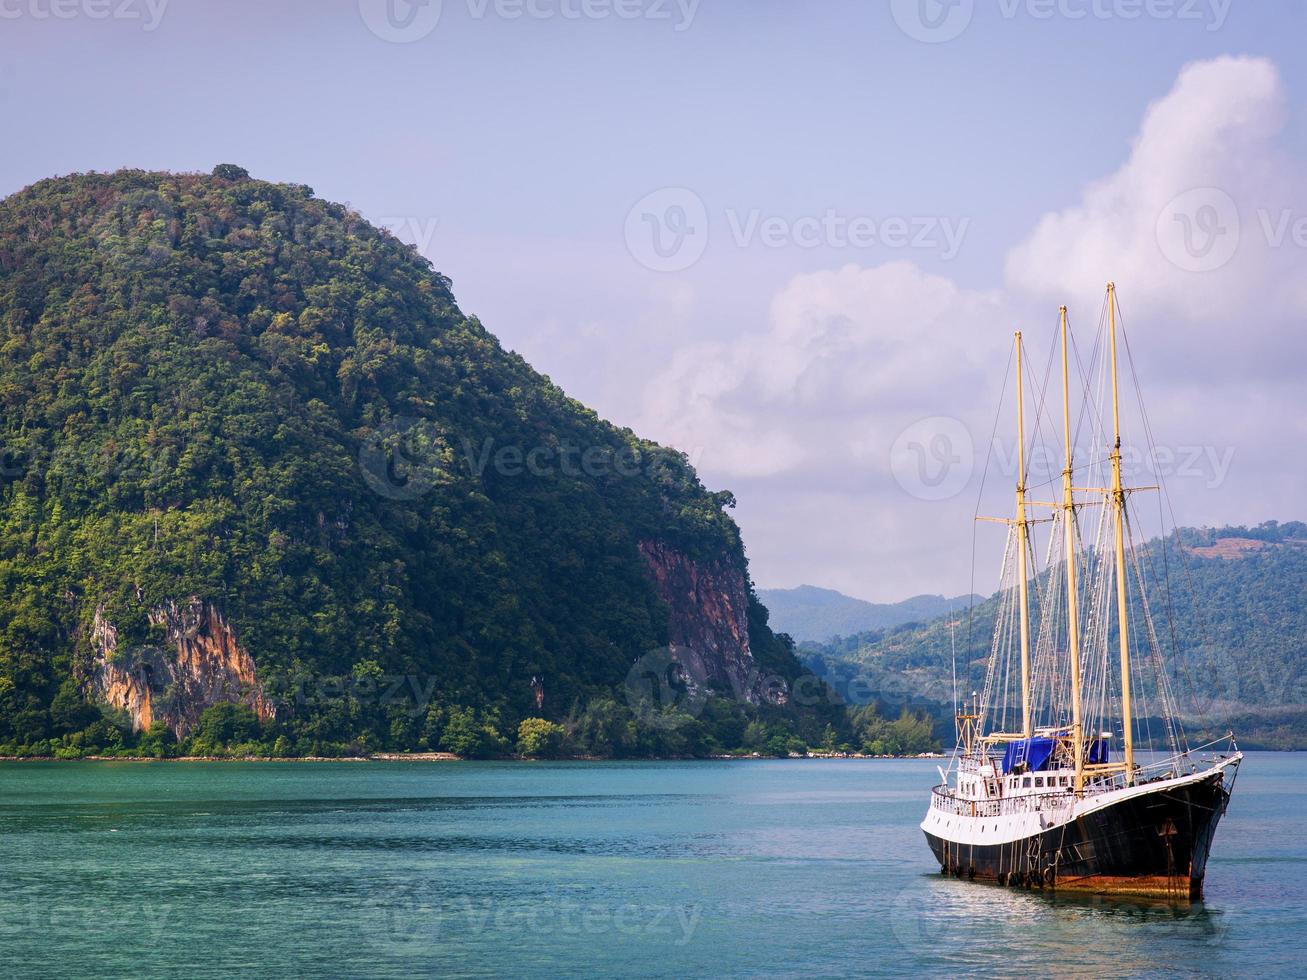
(709, 605)
(199, 665)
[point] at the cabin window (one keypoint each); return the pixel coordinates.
(1025, 783)
(1039, 782)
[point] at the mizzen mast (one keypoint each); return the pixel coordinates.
(1072, 595)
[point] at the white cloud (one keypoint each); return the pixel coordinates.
(1181, 223)
(799, 417)
(851, 357)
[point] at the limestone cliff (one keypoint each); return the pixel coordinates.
(709, 604)
(199, 664)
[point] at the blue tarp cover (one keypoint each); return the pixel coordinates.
(1035, 752)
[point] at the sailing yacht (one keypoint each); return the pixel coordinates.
(1057, 781)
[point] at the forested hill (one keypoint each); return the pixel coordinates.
(1235, 612)
(263, 482)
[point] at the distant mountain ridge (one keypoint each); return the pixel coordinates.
(810, 613)
(1232, 622)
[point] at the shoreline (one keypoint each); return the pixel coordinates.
(450, 757)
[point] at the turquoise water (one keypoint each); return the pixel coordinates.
(803, 868)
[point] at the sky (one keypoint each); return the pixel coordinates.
(793, 240)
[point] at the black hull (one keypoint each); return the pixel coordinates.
(1150, 844)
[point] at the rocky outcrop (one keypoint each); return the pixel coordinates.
(709, 604)
(198, 664)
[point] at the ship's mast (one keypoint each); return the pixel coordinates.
(1118, 506)
(1072, 596)
(1022, 539)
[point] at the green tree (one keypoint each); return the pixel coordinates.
(538, 738)
(69, 711)
(470, 735)
(157, 741)
(222, 727)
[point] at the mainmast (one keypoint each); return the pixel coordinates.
(1118, 506)
(1022, 539)
(1072, 596)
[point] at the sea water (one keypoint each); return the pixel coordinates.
(664, 869)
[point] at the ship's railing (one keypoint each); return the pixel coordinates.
(1217, 750)
(946, 802)
(1182, 764)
